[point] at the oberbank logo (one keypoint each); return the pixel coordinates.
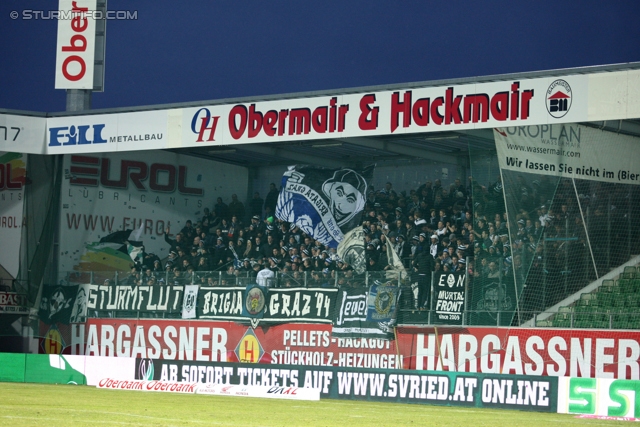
(558, 98)
(76, 135)
(204, 124)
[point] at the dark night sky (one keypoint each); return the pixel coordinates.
(198, 49)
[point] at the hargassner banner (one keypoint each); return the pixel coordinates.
(23, 134)
(75, 50)
(569, 151)
(134, 192)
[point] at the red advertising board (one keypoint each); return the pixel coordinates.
(520, 351)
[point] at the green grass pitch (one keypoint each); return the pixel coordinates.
(66, 405)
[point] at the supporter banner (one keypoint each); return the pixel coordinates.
(444, 388)
(56, 303)
(189, 301)
(569, 151)
(350, 317)
(382, 302)
(148, 193)
(599, 397)
(13, 303)
(13, 171)
(325, 204)
(152, 299)
(450, 296)
(519, 351)
(279, 305)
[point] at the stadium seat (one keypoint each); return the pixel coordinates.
(606, 286)
(632, 271)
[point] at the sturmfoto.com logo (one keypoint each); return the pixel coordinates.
(558, 98)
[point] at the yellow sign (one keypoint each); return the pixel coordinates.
(53, 343)
(249, 349)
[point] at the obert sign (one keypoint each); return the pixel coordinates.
(76, 44)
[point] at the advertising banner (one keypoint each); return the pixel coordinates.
(146, 193)
(401, 386)
(569, 151)
(599, 397)
(12, 303)
(75, 51)
(538, 104)
(294, 344)
(13, 172)
(450, 296)
(25, 132)
(426, 109)
(517, 351)
(101, 133)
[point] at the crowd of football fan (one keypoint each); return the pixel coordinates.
(431, 228)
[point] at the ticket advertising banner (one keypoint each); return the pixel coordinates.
(401, 386)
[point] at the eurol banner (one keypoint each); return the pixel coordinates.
(514, 351)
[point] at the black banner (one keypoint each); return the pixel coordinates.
(282, 305)
(449, 298)
(156, 299)
(56, 303)
(323, 203)
(521, 392)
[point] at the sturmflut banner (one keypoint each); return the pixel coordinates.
(569, 151)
